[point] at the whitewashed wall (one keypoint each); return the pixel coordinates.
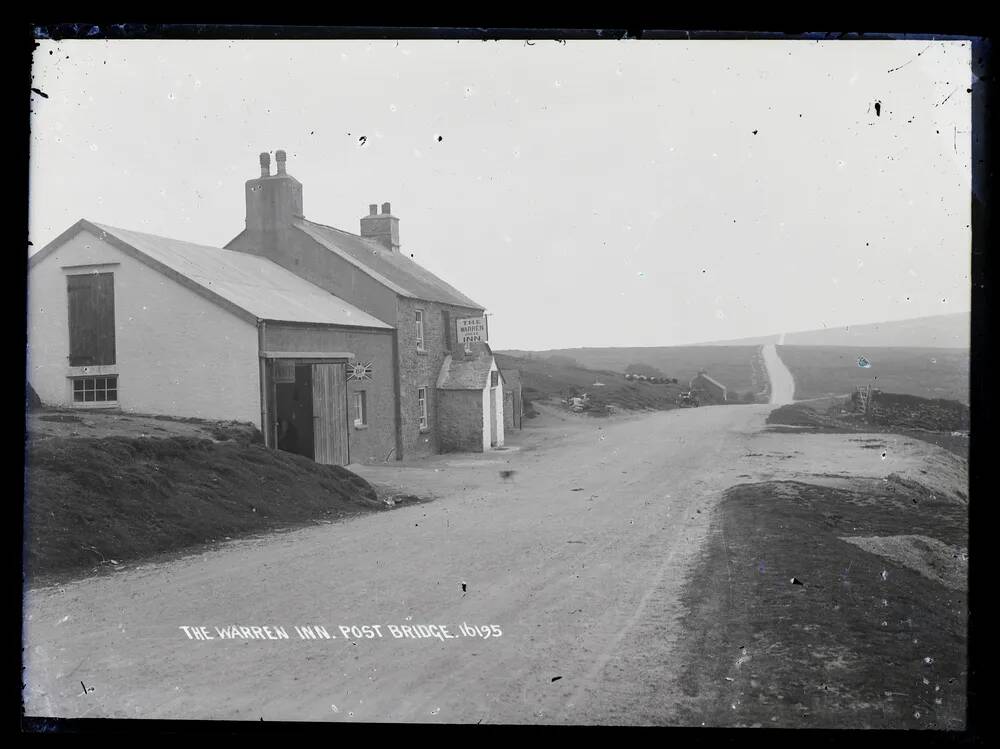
(177, 353)
(498, 396)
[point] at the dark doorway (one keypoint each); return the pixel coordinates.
(294, 413)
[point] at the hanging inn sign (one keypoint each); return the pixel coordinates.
(357, 370)
(471, 330)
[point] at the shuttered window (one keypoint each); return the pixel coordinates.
(91, 319)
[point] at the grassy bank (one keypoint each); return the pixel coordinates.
(867, 640)
(93, 500)
(944, 423)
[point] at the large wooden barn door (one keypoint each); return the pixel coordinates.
(329, 386)
(91, 319)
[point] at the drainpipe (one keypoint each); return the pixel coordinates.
(397, 375)
(263, 384)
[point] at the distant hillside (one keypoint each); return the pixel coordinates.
(559, 377)
(834, 370)
(938, 331)
(736, 367)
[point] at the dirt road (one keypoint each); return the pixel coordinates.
(782, 383)
(577, 557)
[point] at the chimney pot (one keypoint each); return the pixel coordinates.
(381, 227)
(273, 204)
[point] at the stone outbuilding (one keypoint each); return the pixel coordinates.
(470, 401)
(513, 402)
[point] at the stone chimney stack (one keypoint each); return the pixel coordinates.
(382, 227)
(273, 202)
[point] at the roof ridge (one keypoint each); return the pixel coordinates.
(109, 227)
(367, 240)
(397, 271)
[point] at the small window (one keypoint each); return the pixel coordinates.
(95, 389)
(422, 406)
(494, 378)
(420, 329)
(360, 408)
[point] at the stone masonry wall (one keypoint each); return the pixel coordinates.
(460, 420)
(421, 368)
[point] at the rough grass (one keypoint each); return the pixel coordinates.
(864, 642)
(90, 501)
(912, 412)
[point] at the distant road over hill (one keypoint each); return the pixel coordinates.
(782, 382)
(939, 331)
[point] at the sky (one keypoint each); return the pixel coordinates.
(587, 193)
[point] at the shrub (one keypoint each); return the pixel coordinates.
(644, 369)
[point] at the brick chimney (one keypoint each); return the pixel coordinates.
(273, 201)
(382, 227)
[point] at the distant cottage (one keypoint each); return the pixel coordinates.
(706, 384)
(338, 346)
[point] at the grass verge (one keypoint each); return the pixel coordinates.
(940, 422)
(865, 641)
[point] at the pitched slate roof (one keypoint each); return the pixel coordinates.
(467, 374)
(393, 269)
(239, 281)
(703, 376)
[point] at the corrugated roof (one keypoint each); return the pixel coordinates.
(252, 283)
(466, 374)
(393, 269)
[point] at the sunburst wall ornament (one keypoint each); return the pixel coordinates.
(360, 371)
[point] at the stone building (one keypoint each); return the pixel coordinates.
(513, 400)
(714, 389)
(369, 270)
(471, 412)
